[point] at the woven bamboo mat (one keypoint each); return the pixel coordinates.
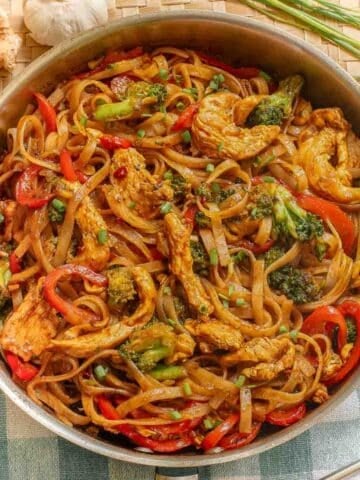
(124, 8)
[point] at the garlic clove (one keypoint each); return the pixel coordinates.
(52, 21)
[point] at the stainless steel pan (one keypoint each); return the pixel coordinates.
(236, 39)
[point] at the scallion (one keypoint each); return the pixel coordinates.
(165, 208)
(214, 257)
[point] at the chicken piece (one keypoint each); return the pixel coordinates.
(316, 154)
(332, 363)
(9, 43)
(93, 254)
(329, 117)
(184, 348)
(320, 395)
(215, 133)
(353, 145)
(29, 329)
(272, 356)
(147, 296)
(136, 197)
(181, 262)
(7, 209)
(90, 343)
(217, 335)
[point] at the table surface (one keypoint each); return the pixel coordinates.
(30, 452)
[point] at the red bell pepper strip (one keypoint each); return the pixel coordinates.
(67, 167)
(329, 211)
(121, 172)
(185, 120)
(112, 57)
(73, 314)
(257, 249)
(238, 440)
(47, 111)
(213, 438)
(241, 72)
(189, 214)
(14, 263)
(81, 176)
(352, 309)
(24, 371)
(110, 142)
(284, 418)
(320, 318)
(163, 446)
(24, 190)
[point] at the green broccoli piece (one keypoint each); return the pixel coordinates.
(275, 108)
(202, 220)
(121, 287)
(149, 345)
(352, 330)
(157, 90)
(200, 257)
(291, 220)
(295, 284)
(180, 186)
(263, 207)
(213, 192)
(5, 276)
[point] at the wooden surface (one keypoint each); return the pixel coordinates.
(124, 8)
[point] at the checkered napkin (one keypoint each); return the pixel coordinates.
(30, 452)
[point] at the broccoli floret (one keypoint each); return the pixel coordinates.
(202, 220)
(352, 330)
(263, 207)
(276, 107)
(180, 186)
(121, 287)
(273, 254)
(213, 192)
(199, 256)
(295, 284)
(291, 220)
(157, 90)
(147, 346)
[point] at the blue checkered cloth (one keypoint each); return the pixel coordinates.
(30, 452)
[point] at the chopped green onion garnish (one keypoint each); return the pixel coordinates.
(187, 388)
(210, 167)
(132, 205)
(283, 329)
(208, 424)
(180, 106)
(203, 309)
(239, 256)
(83, 121)
(240, 381)
(226, 303)
(163, 74)
(168, 175)
(265, 75)
(140, 133)
(231, 290)
(267, 179)
(165, 208)
(240, 302)
(167, 290)
(191, 91)
(100, 372)
(175, 415)
(214, 258)
(102, 236)
(58, 205)
(220, 146)
(293, 334)
(186, 136)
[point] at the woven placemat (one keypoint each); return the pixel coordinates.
(124, 8)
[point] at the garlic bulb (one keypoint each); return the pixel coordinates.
(9, 43)
(51, 21)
